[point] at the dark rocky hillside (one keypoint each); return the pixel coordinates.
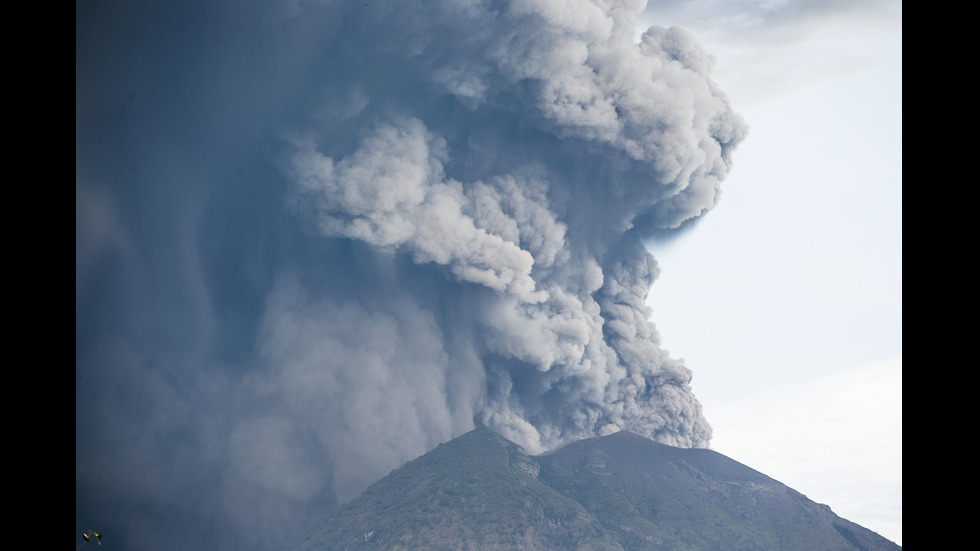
(618, 492)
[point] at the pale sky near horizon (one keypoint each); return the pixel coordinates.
(786, 299)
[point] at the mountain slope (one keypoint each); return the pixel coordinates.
(653, 496)
(618, 492)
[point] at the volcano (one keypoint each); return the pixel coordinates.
(618, 492)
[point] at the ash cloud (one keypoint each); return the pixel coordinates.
(316, 239)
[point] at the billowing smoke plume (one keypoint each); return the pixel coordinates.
(316, 239)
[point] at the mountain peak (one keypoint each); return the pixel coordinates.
(611, 493)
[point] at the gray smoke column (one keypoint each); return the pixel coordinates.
(316, 239)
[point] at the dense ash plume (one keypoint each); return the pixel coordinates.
(315, 239)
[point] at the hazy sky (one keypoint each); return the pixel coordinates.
(316, 239)
(787, 299)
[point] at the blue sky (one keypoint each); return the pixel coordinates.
(316, 239)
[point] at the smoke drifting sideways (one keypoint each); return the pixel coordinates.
(316, 239)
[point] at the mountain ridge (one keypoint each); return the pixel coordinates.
(619, 492)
